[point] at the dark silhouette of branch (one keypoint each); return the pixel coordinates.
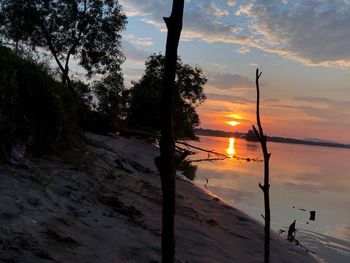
(208, 159)
(166, 162)
(201, 149)
(265, 188)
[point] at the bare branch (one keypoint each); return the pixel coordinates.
(265, 188)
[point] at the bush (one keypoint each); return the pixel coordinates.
(32, 110)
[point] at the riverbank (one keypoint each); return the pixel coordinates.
(101, 202)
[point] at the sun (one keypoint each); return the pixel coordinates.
(232, 123)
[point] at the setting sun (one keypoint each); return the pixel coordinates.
(232, 123)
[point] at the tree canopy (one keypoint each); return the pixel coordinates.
(145, 94)
(87, 30)
(110, 92)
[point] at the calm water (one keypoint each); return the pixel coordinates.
(303, 178)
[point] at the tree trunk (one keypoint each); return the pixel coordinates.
(266, 187)
(166, 163)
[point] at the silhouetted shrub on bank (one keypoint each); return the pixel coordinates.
(32, 106)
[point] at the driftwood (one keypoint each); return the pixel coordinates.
(201, 149)
(218, 156)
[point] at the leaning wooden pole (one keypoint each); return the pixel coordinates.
(166, 163)
(266, 187)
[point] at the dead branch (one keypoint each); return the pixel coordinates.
(265, 188)
(201, 149)
(208, 159)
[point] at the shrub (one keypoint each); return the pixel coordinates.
(32, 110)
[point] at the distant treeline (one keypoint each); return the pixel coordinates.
(250, 136)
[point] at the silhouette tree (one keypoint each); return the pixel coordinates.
(111, 98)
(88, 30)
(12, 25)
(145, 96)
(166, 162)
(265, 188)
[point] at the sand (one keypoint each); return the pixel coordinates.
(101, 202)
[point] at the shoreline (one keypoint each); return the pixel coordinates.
(101, 202)
(275, 139)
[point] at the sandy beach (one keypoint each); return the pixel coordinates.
(101, 202)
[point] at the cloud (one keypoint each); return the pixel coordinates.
(315, 33)
(272, 100)
(316, 110)
(229, 98)
(134, 53)
(243, 50)
(212, 9)
(339, 105)
(231, 3)
(200, 26)
(315, 100)
(142, 41)
(244, 9)
(197, 24)
(229, 81)
(146, 7)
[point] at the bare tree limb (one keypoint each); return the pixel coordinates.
(265, 188)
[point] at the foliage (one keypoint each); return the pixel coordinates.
(102, 103)
(88, 30)
(84, 93)
(12, 25)
(31, 105)
(111, 100)
(145, 95)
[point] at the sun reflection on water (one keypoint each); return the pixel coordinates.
(231, 148)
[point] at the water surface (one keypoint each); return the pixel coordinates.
(303, 178)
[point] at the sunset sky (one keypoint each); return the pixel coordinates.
(302, 48)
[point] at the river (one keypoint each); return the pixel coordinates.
(303, 179)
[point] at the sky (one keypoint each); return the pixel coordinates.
(301, 47)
